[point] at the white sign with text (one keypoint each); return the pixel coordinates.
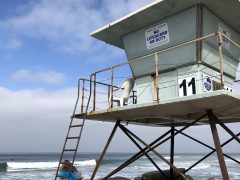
(157, 36)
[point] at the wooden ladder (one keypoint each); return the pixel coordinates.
(68, 138)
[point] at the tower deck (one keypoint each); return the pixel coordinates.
(177, 111)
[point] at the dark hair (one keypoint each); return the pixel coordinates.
(67, 166)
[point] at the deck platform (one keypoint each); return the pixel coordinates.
(177, 112)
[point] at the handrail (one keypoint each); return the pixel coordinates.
(99, 82)
(157, 52)
(83, 89)
(78, 95)
(220, 58)
(175, 46)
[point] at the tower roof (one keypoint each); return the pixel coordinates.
(228, 10)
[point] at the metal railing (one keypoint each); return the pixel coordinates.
(94, 83)
(84, 94)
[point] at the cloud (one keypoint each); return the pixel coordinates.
(25, 101)
(37, 121)
(34, 120)
(13, 44)
(66, 24)
(45, 76)
(10, 44)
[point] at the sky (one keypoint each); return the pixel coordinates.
(45, 47)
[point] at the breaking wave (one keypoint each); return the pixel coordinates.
(45, 165)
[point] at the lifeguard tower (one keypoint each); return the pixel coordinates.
(182, 60)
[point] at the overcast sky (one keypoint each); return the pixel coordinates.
(44, 48)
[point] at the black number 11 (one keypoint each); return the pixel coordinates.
(184, 86)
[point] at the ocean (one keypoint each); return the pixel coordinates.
(32, 166)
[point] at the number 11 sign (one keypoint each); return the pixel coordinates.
(187, 86)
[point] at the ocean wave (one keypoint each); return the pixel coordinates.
(202, 166)
(166, 157)
(112, 161)
(45, 165)
(86, 163)
(32, 165)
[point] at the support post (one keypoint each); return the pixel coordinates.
(218, 147)
(172, 152)
(199, 33)
(83, 90)
(134, 100)
(220, 58)
(94, 91)
(105, 149)
(111, 93)
(156, 78)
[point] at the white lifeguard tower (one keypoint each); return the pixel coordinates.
(182, 60)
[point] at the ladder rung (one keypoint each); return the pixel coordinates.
(76, 126)
(70, 150)
(72, 137)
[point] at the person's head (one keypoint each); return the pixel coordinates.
(66, 165)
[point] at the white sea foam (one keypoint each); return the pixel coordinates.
(86, 163)
(167, 157)
(32, 165)
(45, 165)
(202, 166)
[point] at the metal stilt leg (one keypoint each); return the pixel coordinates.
(218, 147)
(105, 149)
(172, 152)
